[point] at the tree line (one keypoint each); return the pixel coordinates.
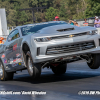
(65, 9)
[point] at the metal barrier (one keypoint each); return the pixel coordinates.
(4, 36)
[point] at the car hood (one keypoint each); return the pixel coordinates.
(64, 30)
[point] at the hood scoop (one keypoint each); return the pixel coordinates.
(66, 29)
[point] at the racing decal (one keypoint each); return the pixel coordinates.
(5, 61)
(3, 56)
(14, 65)
(19, 63)
(15, 47)
(20, 60)
(18, 55)
(17, 60)
(14, 60)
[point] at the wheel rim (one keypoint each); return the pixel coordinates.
(1, 71)
(30, 65)
(91, 59)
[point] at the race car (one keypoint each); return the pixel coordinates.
(50, 44)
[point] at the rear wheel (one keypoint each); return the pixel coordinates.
(59, 69)
(94, 61)
(33, 69)
(4, 76)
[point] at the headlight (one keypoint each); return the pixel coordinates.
(45, 39)
(92, 32)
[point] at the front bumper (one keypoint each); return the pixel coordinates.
(42, 57)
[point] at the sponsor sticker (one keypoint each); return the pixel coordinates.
(18, 55)
(3, 56)
(14, 65)
(19, 60)
(14, 60)
(19, 63)
(15, 47)
(5, 61)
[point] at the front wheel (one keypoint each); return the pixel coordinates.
(94, 61)
(4, 76)
(59, 69)
(33, 69)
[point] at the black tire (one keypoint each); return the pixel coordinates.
(24, 58)
(35, 70)
(5, 75)
(95, 61)
(60, 69)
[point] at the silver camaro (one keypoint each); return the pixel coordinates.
(49, 44)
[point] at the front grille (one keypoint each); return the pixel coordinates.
(70, 36)
(68, 48)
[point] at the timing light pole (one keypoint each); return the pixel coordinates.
(35, 8)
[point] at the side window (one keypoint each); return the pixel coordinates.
(13, 35)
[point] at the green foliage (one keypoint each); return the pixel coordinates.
(93, 8)
(51, 13)
(62, 12)
(65, 9)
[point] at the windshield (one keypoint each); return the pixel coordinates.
(35, 28)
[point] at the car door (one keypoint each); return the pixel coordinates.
(12, 48)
